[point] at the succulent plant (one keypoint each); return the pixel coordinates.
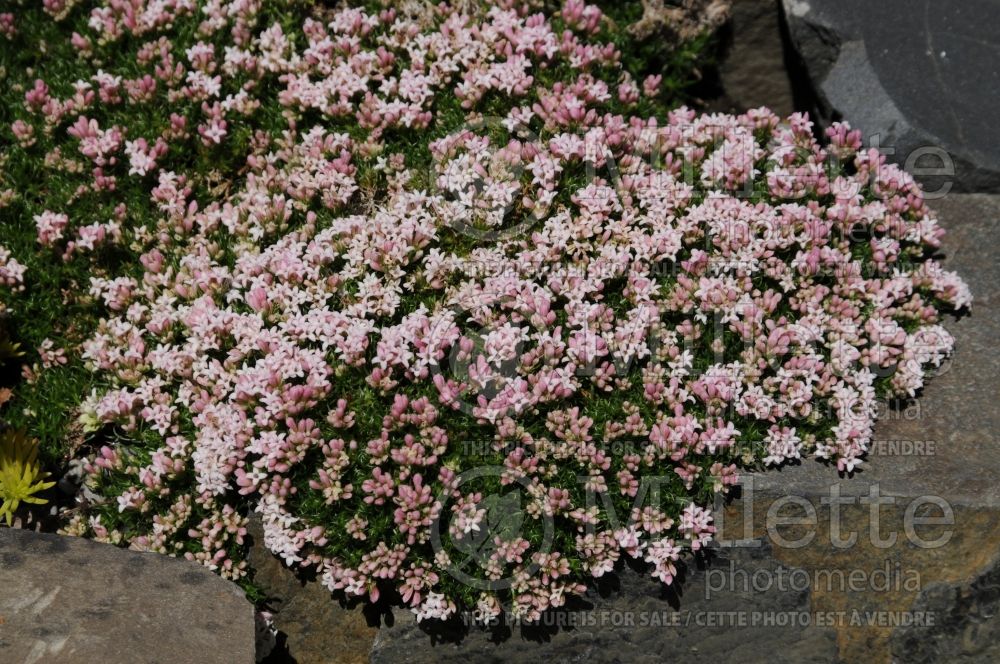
(21, 476)
(8, 349)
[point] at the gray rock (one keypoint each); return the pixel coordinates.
(917, 75)
(70, 600)
(631, 617)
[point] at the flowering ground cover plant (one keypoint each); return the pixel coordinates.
(478, 317)
(98, 97)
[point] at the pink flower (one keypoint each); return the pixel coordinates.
(50, 227)
(11, 271)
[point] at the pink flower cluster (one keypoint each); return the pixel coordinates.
(601, 298)
(11, 272)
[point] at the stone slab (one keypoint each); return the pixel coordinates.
(66, 600)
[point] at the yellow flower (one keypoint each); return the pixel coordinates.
(21, 476)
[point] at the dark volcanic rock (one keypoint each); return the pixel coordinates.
(969, 628)
(719, 617)
(917, 74)
(70, 600)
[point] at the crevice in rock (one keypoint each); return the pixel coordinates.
(804, 92)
